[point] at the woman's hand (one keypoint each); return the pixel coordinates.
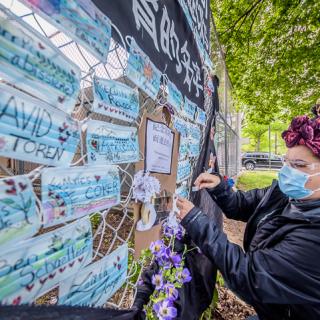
(184, 206)
(207, 181)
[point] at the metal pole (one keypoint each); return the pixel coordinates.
(269, 147)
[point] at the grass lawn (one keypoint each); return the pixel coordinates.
(255, 179)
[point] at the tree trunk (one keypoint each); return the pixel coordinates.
(275, 143)
(258, 144)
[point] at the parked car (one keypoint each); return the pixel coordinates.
(252, 160)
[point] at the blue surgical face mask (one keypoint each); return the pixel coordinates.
(292, 183)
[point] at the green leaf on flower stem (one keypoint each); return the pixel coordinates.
(215, 297)
(28, 204)
(7, 201)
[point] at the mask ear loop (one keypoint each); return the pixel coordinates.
(128, 198)
(32, 176)
(102, 214)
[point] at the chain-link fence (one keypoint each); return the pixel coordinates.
(114, 226)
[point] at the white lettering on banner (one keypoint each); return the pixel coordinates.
(187, 65)
(198, 12)
(165, 36)
(169, 41)
(144, 16)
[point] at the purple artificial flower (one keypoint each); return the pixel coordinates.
(179, 233)
(157, 280)
(165, 310)
(175, 259)
(168, 231)
(184, 276)
(171, 292)
(157, 248)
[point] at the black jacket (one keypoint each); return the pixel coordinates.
(279, 272)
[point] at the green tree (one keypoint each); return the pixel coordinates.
(254, 132)
(272, 50)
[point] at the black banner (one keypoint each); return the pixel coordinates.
(162, 30)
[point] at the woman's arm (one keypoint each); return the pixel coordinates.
(282, 274)
(235, 205)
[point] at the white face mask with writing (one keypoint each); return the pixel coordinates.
(70, 193)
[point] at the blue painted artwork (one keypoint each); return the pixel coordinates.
(183, 148)
(184, 170)
(189, 109)
(142, 72)
(115, 99)
(175, 97)
(111, 144)
(96, 283)
(182, 191)
(71, 193)
(33, 131)
(35, 266)
(181, 126)
(32, 63)
(201, 117)
(79, 19)
(19, 218)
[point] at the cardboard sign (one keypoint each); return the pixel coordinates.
(81, 20)
(189, 109)
(111, 144)
(142, 72)
(33, 267)
(184, 170)
(115, 99)
(32, 63)
(96, 283)
(174, 98)
(19, 219)
(167, 182)
(33, 131)
(159, 147)
(70, 193)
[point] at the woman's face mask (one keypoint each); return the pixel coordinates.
(292, 183)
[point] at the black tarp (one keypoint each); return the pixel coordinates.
(161, 30)
(202, 199)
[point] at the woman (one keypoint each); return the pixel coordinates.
(278, 272)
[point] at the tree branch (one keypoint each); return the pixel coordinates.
(244, 15)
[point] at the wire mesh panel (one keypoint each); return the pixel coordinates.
(115, 226)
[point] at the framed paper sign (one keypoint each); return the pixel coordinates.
(159, 147)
